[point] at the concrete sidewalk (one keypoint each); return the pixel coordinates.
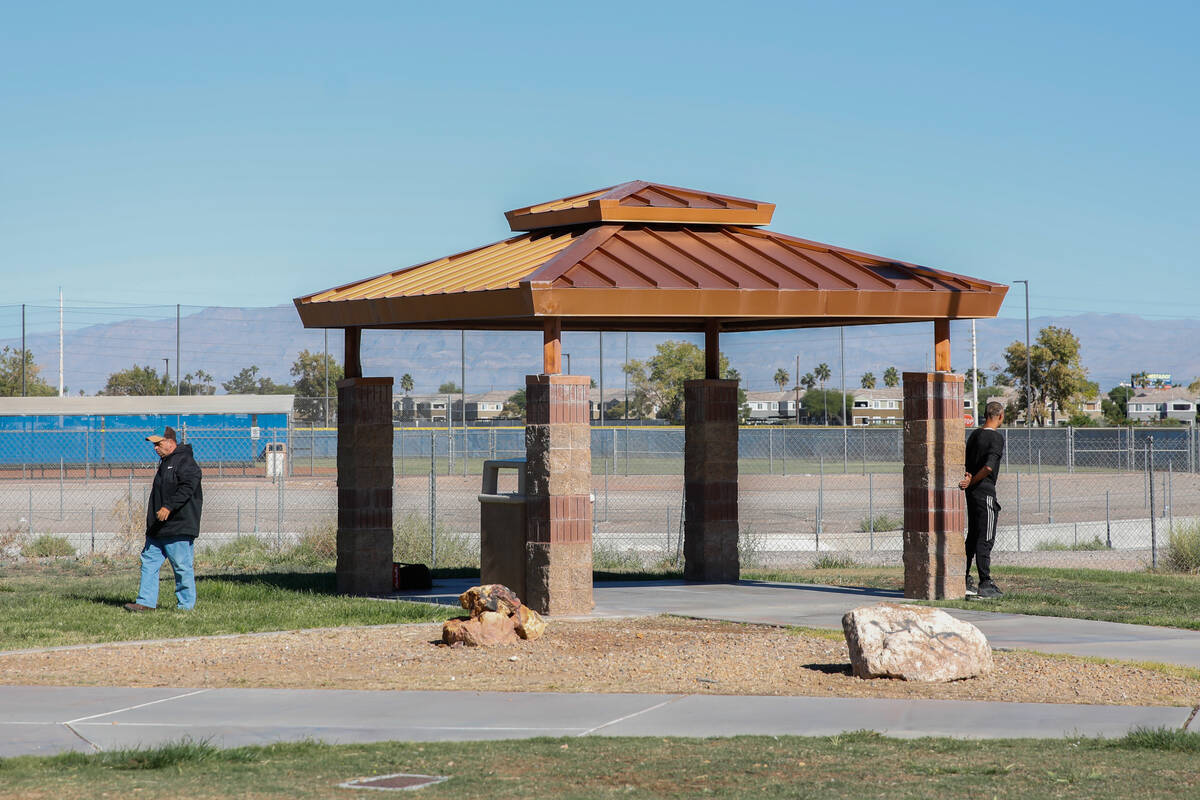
(46, 720)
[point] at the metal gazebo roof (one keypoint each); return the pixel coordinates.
(645, 256)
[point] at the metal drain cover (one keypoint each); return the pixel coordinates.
(392, 783)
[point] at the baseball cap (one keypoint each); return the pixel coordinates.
(168, 433)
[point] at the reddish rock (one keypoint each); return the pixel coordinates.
(529, 624)
(490, 597)
(488, 629)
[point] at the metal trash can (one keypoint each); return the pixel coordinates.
(502, 527)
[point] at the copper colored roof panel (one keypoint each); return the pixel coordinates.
(654, 277)
(641, 201)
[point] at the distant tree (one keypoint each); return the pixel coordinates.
(1194, 386)
(248, 382)
(823, 372)
(868, 380)
(514, 406)
(10, 375)
(969, 379)
(808, 381)
(449, 387)
(1116, 407)
(826, 404)
(781, 378)
(1055, 369)
(999, 376)
(891, 378)
(406, 383)
(658, 381)
(137, 381)
(309, 372)
(198, 382)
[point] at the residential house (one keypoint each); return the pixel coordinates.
(878, 406)
(1150, 405)
(773, 406)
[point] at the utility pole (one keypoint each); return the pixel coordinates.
(462, 360)
(167, 372)
(61, 391)
(842, 337)
(1028, 363)
(327, 377)
(625, 370)
(601, 406)
(23, 356)
(177, 358)
(974, 376)
(796, 388)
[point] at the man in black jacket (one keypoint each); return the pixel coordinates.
(172, 523)
(985, 449)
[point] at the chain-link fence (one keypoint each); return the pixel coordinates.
(1102, 497)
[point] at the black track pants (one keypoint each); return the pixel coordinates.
(982, 512)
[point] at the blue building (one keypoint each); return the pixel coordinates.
(112, 430)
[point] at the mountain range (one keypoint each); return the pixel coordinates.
(221, 341)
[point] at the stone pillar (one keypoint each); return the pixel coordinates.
(364, 481)
(710, 480)
(934, 506)
(558, 487)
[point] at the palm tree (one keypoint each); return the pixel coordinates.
(808, 381)
(822, 372)
(891, 378)
(868, 380)
(406, 382)
(781, 378)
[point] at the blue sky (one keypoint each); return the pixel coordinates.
(243, 154)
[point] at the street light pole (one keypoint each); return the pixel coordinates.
(1028, 363)
(167, 371)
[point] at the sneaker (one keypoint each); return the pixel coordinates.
(136, 607)
(989, 590)
(972, 591)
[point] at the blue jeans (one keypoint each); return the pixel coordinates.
(177, 550)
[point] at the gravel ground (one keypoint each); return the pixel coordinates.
(663, 654)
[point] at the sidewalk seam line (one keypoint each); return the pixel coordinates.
(139, 705)
(668, 701)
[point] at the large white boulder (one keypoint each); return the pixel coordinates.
(915, 643)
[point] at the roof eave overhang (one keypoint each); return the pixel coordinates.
(526, 306)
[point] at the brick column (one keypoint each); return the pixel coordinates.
(934, 506)
(364, 480)
(710, 480)
(558, 485)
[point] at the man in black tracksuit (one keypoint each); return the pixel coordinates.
(985, 449)
(172, 523)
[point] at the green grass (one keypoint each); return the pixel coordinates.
(1183, 548)
(46, 546)
(1140, 598)
(75, 602)
(1160, 764)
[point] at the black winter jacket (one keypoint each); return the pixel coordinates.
(176, 486)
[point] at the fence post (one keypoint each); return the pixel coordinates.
(1050, 499)
(1070, 450)
(1107, 521)
(61, 469)
(30, 520)
(432, 504)
(255, 510)
(1018, 512)
(1150, 497)
(820, 500)
(771, 452)
(93, 530)
(1170, 498)
(1039, 480)
(871, 508)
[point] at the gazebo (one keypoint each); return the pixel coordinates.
(647, 257)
